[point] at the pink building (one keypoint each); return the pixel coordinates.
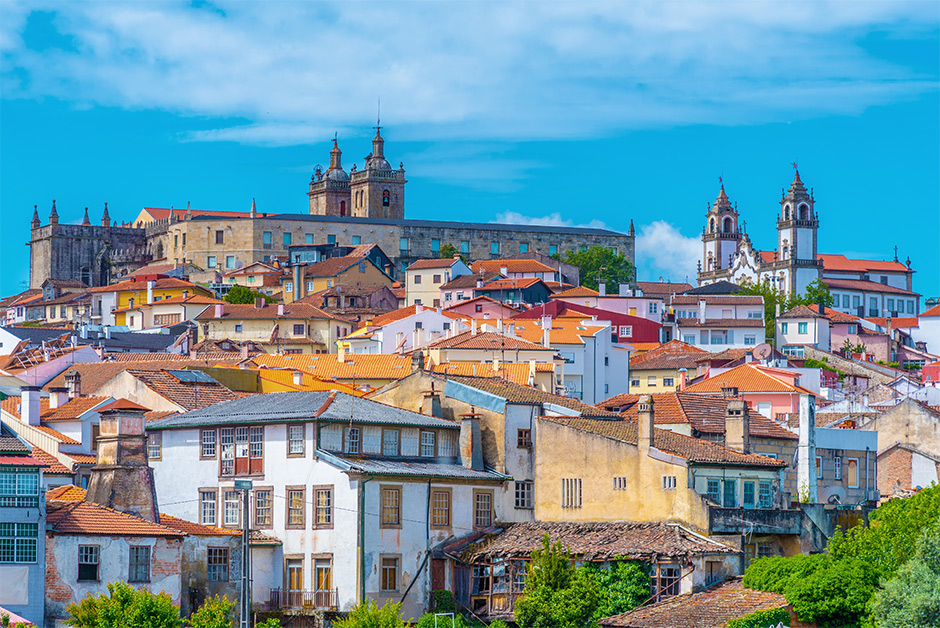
(482, 307)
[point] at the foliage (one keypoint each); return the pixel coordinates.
(442, 601)
(449, 251)
(5, 622)
(270, 622)
(623, 586)
(762, 619)
(913, 598)
(216, 612)
(368, 614)
(599, 264)
(835, 595)
(812, 363)
(240, 295)
(124, 607)
(893, 528)
(427, 621)
(816, 293)
(550, 567)
(848, 347)
(498, 623)
(774, 573)
(572, 606)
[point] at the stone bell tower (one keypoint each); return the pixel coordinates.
(720, 235)
(377, 190)
(329, 191)
(122, 479)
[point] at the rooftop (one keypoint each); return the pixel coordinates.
(487, 341)
(86, 518)
(749, 378)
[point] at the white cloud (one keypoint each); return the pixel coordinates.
(292, 72)
(552, 220)
(662, 251)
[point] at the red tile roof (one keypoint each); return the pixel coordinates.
(196, 529)
(511, 266)
(865, 286)
(747, 378)
(248, 311)
(803, 311)
(20, 461)
(86, 518)
(671, 347)
(841, 262)
(661, 288)
(82, 458)
(580, 291)
(188, 395)
(333, 266)
(123, 404)
(717, 299)
(900, 321)
(516, 393)
(74, 408)
(163, 283)
(405, 312)
(428, 264)
(486, 340)
(511, 284)
(66, 492)
(53, 466)
(934, 311)
(161, 213)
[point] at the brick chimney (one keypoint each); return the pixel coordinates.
(122, 479)
(471, 445)
(737, 426)
(645, 424)
(431, 404)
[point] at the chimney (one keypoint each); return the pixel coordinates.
(151, 284)
(58, 397)
(623, 290)
(471, 447)
(473, 327)
(822, 309)
(546, 331)
(806, 452)
(107, 332)
(701, 311)
(297, 270)
(259, 302)
(683, 378)
(532, 371)
(280, 309)
(729, 392)
(29, 405)
(504, 271)
(645, 424)
(122, 479)
(341, 352)
(418, 308)
(298, 378)
(244, 350)
(602, 289)
(495, 363)
(737, 426)
(219, 310)
(73, 380)
(432, 403)
(417, 361)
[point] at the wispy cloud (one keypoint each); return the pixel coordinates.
(551, 220)
(662, 251)
(512, 71)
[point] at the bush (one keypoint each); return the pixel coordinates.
(913, 598)
(216, 612)
(623, 586)
(427, 621)
(834, 596)
(774, 573)
(368, 614)
(242, 295)
(762, 619)
(442, 601)
(124, 607)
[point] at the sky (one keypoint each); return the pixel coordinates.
(566, 113)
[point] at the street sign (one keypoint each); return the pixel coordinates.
(242, 485)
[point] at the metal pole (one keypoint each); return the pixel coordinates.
(244, 621)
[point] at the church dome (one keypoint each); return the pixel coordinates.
(336, 174)
(377, 163)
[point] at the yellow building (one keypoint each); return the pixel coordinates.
(285, 329)
(118, 298)
(331, 272)
(424, 278)
(661, 369)
(474, 346)
(359, 371)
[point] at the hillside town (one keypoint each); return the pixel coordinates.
(306, 412)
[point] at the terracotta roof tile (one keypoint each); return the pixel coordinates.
(661, 288)
(565, 330)
(841, 262)
(670, 348)
(94, 375)
(934, 311)
(20, 461)
(516, 393)
(802, 311)
(900, 321)
(692, 449)
(511, 266)
(486, 340)
(717, 299)
(747, 378)
(196, 529)
(405, 312)
(711, 608)
(163, 283)
(86, 518)
(333, 266)
(516, 372)
(53, 466)
(468, 281)
(122, 404)
(573, 293)
(356, 366)
(519, 283)
(82, 458)
(59, 436)
(66, 492)
(188, 395)
(292, 311)
(866, 286)
(428, 264)
(74, 408)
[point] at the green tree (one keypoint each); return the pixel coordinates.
(600, 264)
(774, 573)
(240, 295)
(448, 251)
(623, 586)
(834, 596)
(848, 347)
(216, 612)
(368, 614)
(913, 597)
(762, 619)
(816, 293)
(124, 607)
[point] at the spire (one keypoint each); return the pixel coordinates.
(721, 201)
(254, 209)
(85, 220)
(336, 156)
(105, 217)
(36, 222)
(797, 187)
(189, 211)
(53, 215)
(631, 232)
(377, 144)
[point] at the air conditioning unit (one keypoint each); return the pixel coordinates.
(874, 495)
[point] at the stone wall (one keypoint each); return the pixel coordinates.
(84, 252)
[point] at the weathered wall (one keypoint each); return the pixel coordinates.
(195, 585)
(907, 422)
(81, 252)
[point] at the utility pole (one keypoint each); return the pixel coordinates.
(244, 619)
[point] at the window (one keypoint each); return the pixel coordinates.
(851, 473)
(296, 498)
(386, 198)
(403, 244)
(714, 490)
(88, 562)
(783, 328)
(440, 508)
(220, 237)
(667, 584)
(217, 562)
(230, 508)
(295, 440)
(553, 249)
(819, 467)
(435, 245)
(845, 301)
(428, 449)
(242, 450)
(856, 301)
(390, 442)
(689, 340)
(837, 467)
(352, 440)
(494, 248)
(524, 494)
(873, 306)
(749, 496)
(263, 513)
(154, 445)
(651, 380)
(210, 261)
(524, 439)
(730, 494)
(482, 509)
(465, 246)
(286, 238)
(389, 574)
(362, 267)
(853, 329)
(654, 307)
(391, 507)
(910, 307)
(523, 247)
(207, 507)
(713, 572)
(18, 542)
(308, 238)
(626, 331)
(436, 279)
(266, 238)
(238, 328)
(323, 580)
(19, 490)
(668, 381)
(571, 492)
(323, 507)
(765, 495)
(620, 483)
(635, 381)
(891, 305)
(417, 279)
(138, 569)
(669, 482)
(357, 240)
(802, 328)
(750, 340)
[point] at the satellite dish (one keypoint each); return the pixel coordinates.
(833, 495)
(762, 351)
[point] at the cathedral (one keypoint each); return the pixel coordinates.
(729, 255)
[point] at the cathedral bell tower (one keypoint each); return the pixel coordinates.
(797, 227)
(720, 235)
(377, 190)
(329, 192)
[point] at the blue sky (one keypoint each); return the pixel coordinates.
(561, 113)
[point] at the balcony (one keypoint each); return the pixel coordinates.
(301, 600)
(754, 521)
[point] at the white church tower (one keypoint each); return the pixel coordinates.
(797, 225)
(721, 235)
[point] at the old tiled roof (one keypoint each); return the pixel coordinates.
(580, 291)
(900, 321)
(673, 346)
(86, 518)
(747, 378)
(193, 299)
(517, 372)
(188, 395)
(405, 312)
(123, 404)
(414, 467)
(692, 449)
(660, 288)
(723, 322)
(161, 213)
(59, 436)
(94, 375)
(718, 299)
(153, 415)
(257, 537)
(594, 541)
(355, 366)
(565, 331)
(333, 266)
(485, 299)
(248, 311)
(82, 458)
(511, 266)
(53, 466)
(802, 311)
(488, 341)
(835, 316)
(934, 311)
(705, 413)
(673, 361)
(10, 444)
(67, 493)
(519, 283)
(428, 264)
(866, 286)
(65, 283)
(196, 529)
(140, 285)
(74, 408)
(835, 261)
(468, 281)
(516, 393)
(728, 355)
(713, 607)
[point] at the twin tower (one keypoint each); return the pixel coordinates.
(376, 191)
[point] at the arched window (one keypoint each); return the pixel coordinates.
(342, 208)
(729, 225)
(786, 212)
(804, 212)
(711, 226)
(386, 197)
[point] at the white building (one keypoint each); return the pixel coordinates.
(357, 492)
(801, 326)
(718, 322)
(403, 330)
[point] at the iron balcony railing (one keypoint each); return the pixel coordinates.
(302, 599)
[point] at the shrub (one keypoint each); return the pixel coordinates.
(836, 595)
(368, 614)
(913, 598)
(762, 619)
(216, 612)
(774, 573)
(124, 607)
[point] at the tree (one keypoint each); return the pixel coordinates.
(816, 293)
(124, 607)
(624, 586)
(835, 595)
(448, 251)
(913, 598)
(216, 612)
(848, 347)
(368, 614)
(240, 295)
(600, 264)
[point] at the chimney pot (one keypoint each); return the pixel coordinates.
(645, 421)
(471, 446)
(737, 426)
(58, 397)
(29, 405)
(280, 309)
(298, 378)
(73, 380)
(259, 302)
(219, 310)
